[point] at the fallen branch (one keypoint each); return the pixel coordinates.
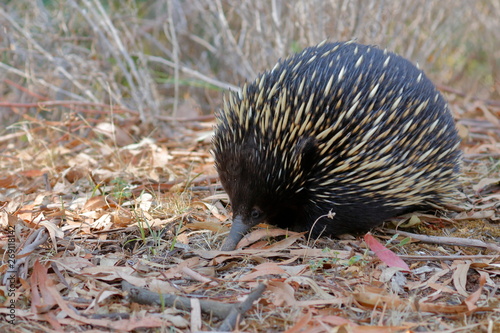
(231, 313)
(144, 296)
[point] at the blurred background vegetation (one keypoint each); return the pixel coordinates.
(173, 58)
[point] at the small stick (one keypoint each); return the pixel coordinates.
(451, 257)
(448, 240)
(238, 310)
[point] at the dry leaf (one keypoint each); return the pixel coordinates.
(460, 278)
(268, 268)
(41, 299)
(474, 297)
(282, 294)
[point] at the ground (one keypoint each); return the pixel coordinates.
(111, 211)
(88, 212)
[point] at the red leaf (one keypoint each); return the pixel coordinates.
(384, 254)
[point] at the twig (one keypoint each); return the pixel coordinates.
(31, 244)
(229, 33)
(491, 102)
(171, 32)
(34, 42)
(42, 82)
(448, 240)
(237, 311)
(116, 109)
(451, 257)
(25, 90)
(45, 104)
(187, 119)
(193, 73)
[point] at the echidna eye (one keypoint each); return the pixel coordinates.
(255, 214)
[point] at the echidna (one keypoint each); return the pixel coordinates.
(333, 140)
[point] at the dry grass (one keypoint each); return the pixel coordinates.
(156, 56)
(90, 152)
